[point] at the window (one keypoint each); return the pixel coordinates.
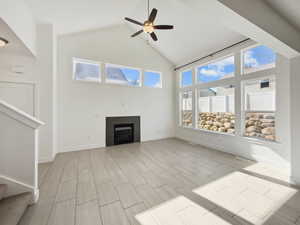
(86, 70)
(186, 109)
(216, 109)
(220, 82)
(186, 78)
(259, 107)
(122, 75)
(152, 79)
(258, 58)
(216, 71)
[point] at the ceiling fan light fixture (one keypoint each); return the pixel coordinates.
(3, 42)
(148, 27)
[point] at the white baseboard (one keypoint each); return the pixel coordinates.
(46, 160)
(81, 147)
(16, 187)
(246, 155)
(295, 180)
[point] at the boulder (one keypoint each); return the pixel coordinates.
(251, 129)
(270, 137)
(268, 131)
(227, 125)
(264, 125)
(230, 131)
(268, 116)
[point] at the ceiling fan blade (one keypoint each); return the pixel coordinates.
(137, 33)
(153, 15)
(164, 27)
(154, 37)
(134, 21)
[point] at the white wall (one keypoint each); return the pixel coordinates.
(39, 73)
(295, 119)
(277, 153)
(84, 106)
(19, 18)
(20, 151)
(45, 75)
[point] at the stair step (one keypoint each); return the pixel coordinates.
(12, 208)
(3, 188)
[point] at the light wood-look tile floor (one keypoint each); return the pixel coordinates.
(165, 182)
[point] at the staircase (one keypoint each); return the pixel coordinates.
(18, 163)
(12, 208)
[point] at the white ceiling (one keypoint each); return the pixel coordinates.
(15, 45)
(197, 30)
(288, 9)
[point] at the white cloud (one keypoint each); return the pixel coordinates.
(209, 72)
(249, 59)
(217, 68)
(157, 84)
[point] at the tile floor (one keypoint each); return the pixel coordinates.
(165, 182)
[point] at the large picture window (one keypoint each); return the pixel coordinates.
(216, 109)
(186, 109)
(116, 74)
(229, 102)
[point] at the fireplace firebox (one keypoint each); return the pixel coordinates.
(122, 130)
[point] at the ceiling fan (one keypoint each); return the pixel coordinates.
(148, 25)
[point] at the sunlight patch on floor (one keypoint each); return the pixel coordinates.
(281, 174)
(253, 199)
(179, 211)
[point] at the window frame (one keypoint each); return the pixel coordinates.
(237, 80)
(86, 61)
(126, 67)
(242, 60)
(180, 111)
(244, 111)
(152, 71)
(197, 111)
(193, 78)
(211, 62)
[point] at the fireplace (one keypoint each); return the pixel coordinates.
(122, 130)
(123, 133)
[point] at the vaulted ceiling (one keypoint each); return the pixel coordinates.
(198, 29)
(288, 9)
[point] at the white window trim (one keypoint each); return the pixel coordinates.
(237, 80)
(152, 71)
(127, 67)
(86, 61)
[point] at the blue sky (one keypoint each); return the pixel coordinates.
(258, 56)
(152, 79)
(216, 71)
(132, 75)
(187, 78)
(253, 58)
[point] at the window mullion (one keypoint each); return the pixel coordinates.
(194, 101)
(238, 95)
